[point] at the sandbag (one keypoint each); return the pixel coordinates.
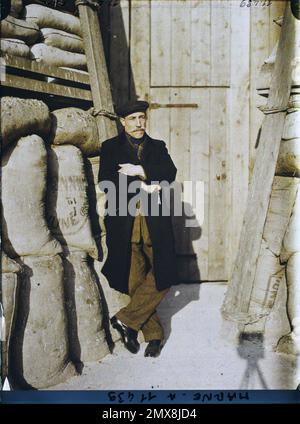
(78, 127)
(8, 264)
(269, 273)
(14, 47)
(290, 343)
(17, 28)
(67, 201)
(269, 270)
(21, 117)
(288, 162)
(291, 241)
(44, 350)
(292, 126)
(8, 300)
(294, 103)
(84, 309)
(293, 283)
(45, 17)
(62, 40)
(16, 8)
(24, 169)
(281, 203)
(56, 57)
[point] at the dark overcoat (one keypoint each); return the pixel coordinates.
(158, 167)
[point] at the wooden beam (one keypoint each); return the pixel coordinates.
(239, 291)
(97, 68)
(47, 70)
(29, 84)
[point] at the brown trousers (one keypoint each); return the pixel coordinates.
(140, 313)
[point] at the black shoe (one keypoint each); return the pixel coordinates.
(153, 349)
(128, 335)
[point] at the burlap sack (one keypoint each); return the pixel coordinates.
(84, 309)
(14, 47)
(45, 17)
(294, 103)
(268, 275)
(67, 201)
(269, 271)
(78, 127)
(291, 241)
(17, 28)
(8, 300)
(292, 125)
(288, 162)
(62, 40)
(44, 351)
(24, 170)
(281, 203)
(56, 57)
(21, 117)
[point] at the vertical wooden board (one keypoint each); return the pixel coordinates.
(238, 141)
(160, 43)
(159, 118)
(180, 131)
(200, 42)
(180, 152)
(199, 172)
(259, 51)
(181, 43)
(119, 51)
(220, 42)
(140, 47)
(275, 10)
(218, 186)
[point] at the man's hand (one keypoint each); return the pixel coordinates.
(150, 188)
(132, 170)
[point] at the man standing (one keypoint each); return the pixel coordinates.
(141, 258)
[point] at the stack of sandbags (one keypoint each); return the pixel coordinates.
(61, 43)
(270, 270)
(280, 250)
(17, 34)
(68, 218)
(290, 343)
(288, 164)
(9, 269)
(39, 343)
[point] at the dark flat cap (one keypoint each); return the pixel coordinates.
(132, 107)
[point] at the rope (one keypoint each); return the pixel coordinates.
(268, 111)
(102, 112)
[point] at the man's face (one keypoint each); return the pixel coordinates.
(135, 124)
